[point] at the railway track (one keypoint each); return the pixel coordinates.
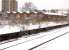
(48, 41)
(38, 38)
(11, 40)
(29, 32)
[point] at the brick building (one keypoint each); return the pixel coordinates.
(9, 5)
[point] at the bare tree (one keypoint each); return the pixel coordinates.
(53, 11)
(28, 6)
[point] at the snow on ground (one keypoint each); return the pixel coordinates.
(10, 29)
(61, 43)
(27, 43)
(42, 25)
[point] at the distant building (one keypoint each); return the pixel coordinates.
(9, 5)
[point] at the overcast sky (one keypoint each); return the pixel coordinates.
(46, 4)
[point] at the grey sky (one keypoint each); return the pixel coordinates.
(46, 4)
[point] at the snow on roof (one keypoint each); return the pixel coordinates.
(14, 12)
(55, 14)
(27, 11)
(35, 12)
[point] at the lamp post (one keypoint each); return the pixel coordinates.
(9, 5)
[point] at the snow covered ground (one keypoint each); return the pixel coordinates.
(10, 29)
(42, 25)
(31, 41)
(61, 43)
